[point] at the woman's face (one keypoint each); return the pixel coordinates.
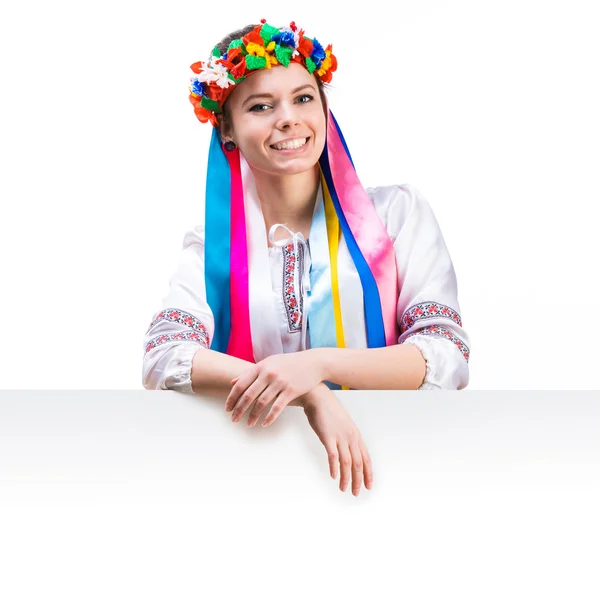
(276, 105)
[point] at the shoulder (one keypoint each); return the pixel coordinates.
(395, 204)
(194, 238)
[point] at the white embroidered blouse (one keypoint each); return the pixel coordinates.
(428, 310)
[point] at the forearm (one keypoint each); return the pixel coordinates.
(213, 371)
(398, 367)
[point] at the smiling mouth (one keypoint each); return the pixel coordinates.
(293, 148)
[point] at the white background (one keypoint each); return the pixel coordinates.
(490, 109)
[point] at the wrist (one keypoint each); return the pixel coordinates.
(322, 359)
(315, 396)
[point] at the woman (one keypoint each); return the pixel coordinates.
(300, 281)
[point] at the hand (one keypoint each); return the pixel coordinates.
(341, 438)
(279, 378)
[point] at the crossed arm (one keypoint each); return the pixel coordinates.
(292, 376)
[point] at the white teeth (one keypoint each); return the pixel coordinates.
(289, 145)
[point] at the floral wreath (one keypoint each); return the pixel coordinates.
(262, 48)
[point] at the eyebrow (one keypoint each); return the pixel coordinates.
(271, 95)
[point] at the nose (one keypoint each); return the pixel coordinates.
(288, 115)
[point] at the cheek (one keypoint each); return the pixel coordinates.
(320, 126)
(254, 135)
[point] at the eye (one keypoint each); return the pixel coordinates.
(310, 99)
(252, 109)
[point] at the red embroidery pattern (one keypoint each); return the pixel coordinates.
(443, 332)
(198, 334)
(428, 310)
(292, 301)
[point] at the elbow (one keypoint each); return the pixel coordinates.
(446, 367)
(169, 367)
(152, 375)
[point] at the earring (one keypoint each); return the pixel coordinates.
(229, 146)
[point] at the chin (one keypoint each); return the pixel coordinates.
(297, 168)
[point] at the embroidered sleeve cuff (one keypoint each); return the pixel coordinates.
(446, 368)
(169, 367)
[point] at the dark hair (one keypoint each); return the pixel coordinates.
(223, 118)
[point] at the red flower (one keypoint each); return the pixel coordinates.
(197, 67)
(326, 77)
(254, 36)
(231, 54)
(305, 45)
(203, 114)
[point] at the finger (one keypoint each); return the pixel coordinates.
(248, 397)
(262, 402)
(282, 401)
(368, 465)
(345, 465)
(243, 383)
(357, 468)
(333, 457)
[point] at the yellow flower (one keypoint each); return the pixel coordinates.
(271, 59)
(325, 64)
(258, 50)
(255, 50)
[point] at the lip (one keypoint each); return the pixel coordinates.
(292, 150)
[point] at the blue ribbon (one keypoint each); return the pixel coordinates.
(217, 242)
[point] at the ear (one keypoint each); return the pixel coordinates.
(224, 128)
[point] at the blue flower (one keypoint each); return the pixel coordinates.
(317, 54)
(284, 37)
(198, 87)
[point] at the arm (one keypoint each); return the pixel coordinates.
(177, 353)
(428, 311)
(212, 373)
(183, 326)
(432, 350)
(400, 367)
(177, 343)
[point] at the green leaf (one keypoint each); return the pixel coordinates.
(209, 104)
(310, 65)
(283, 54)
(235, 44)
(267, 32)
(255, 62)
(216, 52)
